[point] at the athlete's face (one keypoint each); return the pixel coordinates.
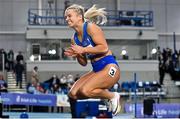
(72, 17)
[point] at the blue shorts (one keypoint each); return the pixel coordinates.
(100, 64)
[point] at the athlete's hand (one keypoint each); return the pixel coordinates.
(78, 49)
(70, 52)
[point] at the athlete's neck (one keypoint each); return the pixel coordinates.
(79, 29)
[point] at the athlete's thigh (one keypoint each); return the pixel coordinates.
(81, 81)
(104, 79)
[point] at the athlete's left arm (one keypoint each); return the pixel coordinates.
(98, 38)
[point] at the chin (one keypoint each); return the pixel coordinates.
(71, 26)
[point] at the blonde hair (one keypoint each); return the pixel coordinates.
(93, 14)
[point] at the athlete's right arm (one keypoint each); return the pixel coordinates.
(81, 58)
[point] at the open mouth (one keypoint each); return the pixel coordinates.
(69, 22)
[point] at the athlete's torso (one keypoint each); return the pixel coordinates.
(88, 42)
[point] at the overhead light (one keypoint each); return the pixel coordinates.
(52, 52)
(32, 58)
(39, 57)
(123, 52)
(154, 51)
(49, 51)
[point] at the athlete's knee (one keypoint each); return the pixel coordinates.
(86, 92)
(72, 94)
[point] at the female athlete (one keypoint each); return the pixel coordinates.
(88, 42)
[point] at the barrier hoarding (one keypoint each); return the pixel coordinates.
(163, 110)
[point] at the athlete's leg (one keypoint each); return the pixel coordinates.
(100, 81)
(73, 92)
(76, 86)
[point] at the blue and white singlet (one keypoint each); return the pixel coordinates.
(88, 42)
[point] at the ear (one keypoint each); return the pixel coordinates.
(80, 16)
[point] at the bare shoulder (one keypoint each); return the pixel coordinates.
(93, 28)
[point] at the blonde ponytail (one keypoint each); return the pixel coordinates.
(96, 15)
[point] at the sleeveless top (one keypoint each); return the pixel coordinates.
(86, 41)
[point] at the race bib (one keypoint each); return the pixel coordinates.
(112, 71)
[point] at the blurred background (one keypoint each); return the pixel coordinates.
(35, 76)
